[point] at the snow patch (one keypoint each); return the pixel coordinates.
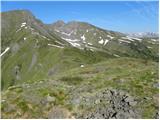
(68, 34)
(57, 30)
(106, 41)
(3, 100)
(124, 41)
(92, 50)
(23, 24)
(91, 47)
(130, 38)
(154, 40)
(116, 55)
(44, 37)
(101, 41)
(55, 46)
(90, 44)
(70, 40)
(82, 66)
(110, 36)
(5, 51)
(18, 30)
(24, 38)
(83, 38)
(75, 44)
(59, 42)
(87, 30)
(64, 33)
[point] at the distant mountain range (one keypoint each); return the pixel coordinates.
(144, 35)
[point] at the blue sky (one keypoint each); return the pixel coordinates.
(119, 16)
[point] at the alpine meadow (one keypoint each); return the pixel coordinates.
(75, 68)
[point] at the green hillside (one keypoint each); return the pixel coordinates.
(75, 70)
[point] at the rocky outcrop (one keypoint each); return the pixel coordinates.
(109, 103)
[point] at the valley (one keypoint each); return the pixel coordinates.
(75, 70)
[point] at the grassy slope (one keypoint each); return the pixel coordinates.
(48, 59)
(136, 76)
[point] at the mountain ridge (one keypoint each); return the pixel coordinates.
(75, 70)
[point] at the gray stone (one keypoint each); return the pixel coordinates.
(133, 103)
(50, 98)
(116, 104)
(129, 99)
(97, 101)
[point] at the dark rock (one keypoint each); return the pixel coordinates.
(116, 104)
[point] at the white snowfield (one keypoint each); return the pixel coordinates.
(4, 51)
(127, 38)
(137, 38)
(83, 37)
(116, 55)
(101, 41)
(23, 24)
(124, 41)
(90, 44)
(75, 44)
(59, 42)
(131, 38)
(110, 36)
(70, 40)
(55, 46)
(43, 36)
(67, 34)
(82, 66)
(106, 41)
(91, 47)
(18, 30)
(24, 38)
(92, 50)
(56, 30)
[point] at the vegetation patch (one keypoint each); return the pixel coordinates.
(72, 80)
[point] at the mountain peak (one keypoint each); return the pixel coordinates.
(23, 12)
(58, 23)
